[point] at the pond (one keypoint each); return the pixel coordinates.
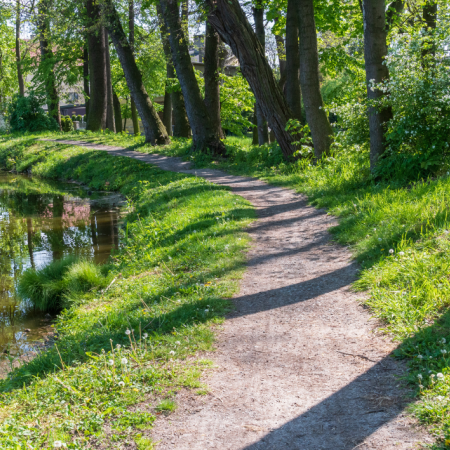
(41, 221)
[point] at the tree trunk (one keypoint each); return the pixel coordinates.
(375, 50)
(429, 16)
(185, 18)
(204, 134)
(134, 116)
(281, 53)
(154, 129)
(292, 92)
(230, 22)
(18, 58)
(317, 119)
(46, 63)
(181, 127)
(167, 112)
(258, 17)
(212, 78)
(117, 113)
(86, 79)
(393, 12)
(255, 128)
(97, 69)
(110, 122)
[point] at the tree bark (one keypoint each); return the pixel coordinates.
(292, 91)
(181, 127)
(258, 17)
(155, 132)
(110, 122)
(46, 63)
(134, 116)
(86, 79)
(18, 58)
(185, 17)
(281, 53)
(96, 119)
(230, 22)
(203, 133)
(321, 131)
(375, 50)
(167, 112)
(393, 12)
(429, 12)
(117, 113)
(211, 76)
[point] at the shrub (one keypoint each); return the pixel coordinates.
(66, 124)
(74, 117)
(26, 114)
(54, 286)
(79, 118)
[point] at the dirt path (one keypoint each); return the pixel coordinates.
(299, 364)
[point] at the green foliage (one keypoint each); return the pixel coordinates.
(167, 405)
(66, 124)
(26, 114)
(52, 287)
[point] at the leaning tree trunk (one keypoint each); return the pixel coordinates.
(18, 58)
(258, 17)
(230, 21)
(181, 127)
(117, 113)
(46, 62)
(86, 79)
(154, 129)
(134, 116)
(375, 51)
(96, 119)
(204, 134)
(292, 92)
(212, 77)
(110, 122)
(321, 131)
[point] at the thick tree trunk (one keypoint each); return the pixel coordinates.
(185, 18)
(255, 128)
(258, 17)
(134, 116)
(117, 113)
(46, 62)
(167, 112)
(429, 16)
(211, 76)
(203, 133)
(97, 69)
(321, 131)
(230, 22)
(86, 79)
(18, 57)
(281, 53)
(110, 122)
(154, 129)
(181, 127)
(292, 92)
(375, 50)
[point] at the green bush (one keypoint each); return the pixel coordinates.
(79, 118)
(85, 118)
(54, 286)
(26, 114)
(74, 117)
(66, 124)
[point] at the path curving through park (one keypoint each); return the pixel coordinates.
(300, 364)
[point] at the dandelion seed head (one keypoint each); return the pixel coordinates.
(128, 332)
(172, 352)
(440, 375)
(111, 362)
(121, 384)
(145, 335)
(420, 356)
(124, 360)
(419, 376)
(391, 251)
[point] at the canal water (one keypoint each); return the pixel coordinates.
(41, 221)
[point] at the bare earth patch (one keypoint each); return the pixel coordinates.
(300, 363)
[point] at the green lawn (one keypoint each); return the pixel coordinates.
(400, 236)
(181, 256)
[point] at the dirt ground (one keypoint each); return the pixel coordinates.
(300, 364)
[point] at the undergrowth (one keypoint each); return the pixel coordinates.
(399, 233)
(124, 350)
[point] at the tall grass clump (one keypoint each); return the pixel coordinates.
(50, 288)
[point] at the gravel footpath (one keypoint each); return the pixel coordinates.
(300, 364)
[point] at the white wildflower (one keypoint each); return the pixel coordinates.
(111, 362)
(443, 341)
(401, 253)
(118, 346)
(145, 335)
(419, 376)
(391, 251)
(172, 352)
(440, 375)
(128, 332)
(124, 360)
(57, 444)
(443, 351)
(421, 386)
(177, 343)
(121, 384)
(206, 310)
(440, 398)
(420, 356)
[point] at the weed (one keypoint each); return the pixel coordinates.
(167, 405)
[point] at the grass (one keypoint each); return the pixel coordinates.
(60, 283)
(398, 233)
(121, 350)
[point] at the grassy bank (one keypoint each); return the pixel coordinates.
(123, 352)
(400, 235)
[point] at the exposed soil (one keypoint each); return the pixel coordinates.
(300, 362)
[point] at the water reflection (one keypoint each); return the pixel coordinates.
(41, 222)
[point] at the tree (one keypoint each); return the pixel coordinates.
(375, 51)
(86, 78)
(204, 134)
(212, 77)
(96, 119)
(316, 116)
(261, 123)
(134, 116)
(110, 123)
(18, 57)
(230, 22)
(292, 89)
(155, 132)
(117, 113)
